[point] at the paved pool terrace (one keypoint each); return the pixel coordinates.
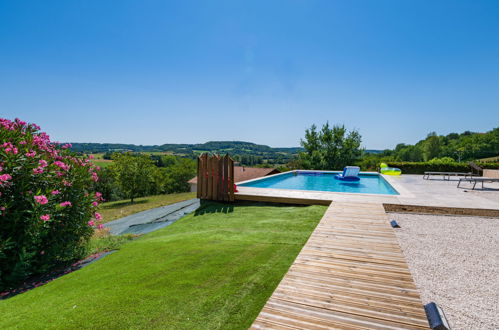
(413, 191)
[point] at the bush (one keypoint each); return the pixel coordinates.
(437, 165)
(46, 203)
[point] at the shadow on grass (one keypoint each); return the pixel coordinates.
(217, 207)
(213, 207)
(124, 203)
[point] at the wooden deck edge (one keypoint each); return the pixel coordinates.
(440, 210)
(285, 200)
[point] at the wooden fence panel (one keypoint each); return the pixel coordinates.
(215, 178)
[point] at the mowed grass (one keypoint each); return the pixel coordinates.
(211, 270)
(118, 209)
(102, 162)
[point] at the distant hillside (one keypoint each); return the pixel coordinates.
(245, 152)
(235, 147)
(373, 151)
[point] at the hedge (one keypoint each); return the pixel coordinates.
(421, 167)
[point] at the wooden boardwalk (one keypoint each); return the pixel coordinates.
(351, 274)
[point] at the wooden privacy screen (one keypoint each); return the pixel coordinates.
(215, 178)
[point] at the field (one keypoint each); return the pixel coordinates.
(100, 161)
(212, 269)
(490, 159)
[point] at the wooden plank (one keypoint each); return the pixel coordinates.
(215, 177)
(220, 166)
(284, 200)
(204, 182)
(198, 186)
(226, 178)
(351, 274)
(214, 168)
(231, 178)
(308, 314)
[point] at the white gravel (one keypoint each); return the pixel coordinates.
(455, 263)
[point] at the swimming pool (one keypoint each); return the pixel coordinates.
(324, 181)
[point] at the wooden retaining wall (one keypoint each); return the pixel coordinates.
(215, 178)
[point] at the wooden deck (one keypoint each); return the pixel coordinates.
(351, 274)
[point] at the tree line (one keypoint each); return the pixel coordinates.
(133, 175)
(467, 146)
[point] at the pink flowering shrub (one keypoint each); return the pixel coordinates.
(47, 206)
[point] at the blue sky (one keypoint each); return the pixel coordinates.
(154, 72)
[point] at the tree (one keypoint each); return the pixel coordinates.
(178, 175)
(431, 147)
(331, 148)
(107, 185)
(133, 174)
(312, 145)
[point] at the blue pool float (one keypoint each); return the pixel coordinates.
(350, 173)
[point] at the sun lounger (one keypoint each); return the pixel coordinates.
(426, 175)
(476, 180)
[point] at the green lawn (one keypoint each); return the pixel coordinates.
(210, 270)
(118, 209)
(102, 162)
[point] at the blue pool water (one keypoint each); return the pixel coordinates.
(325, 181)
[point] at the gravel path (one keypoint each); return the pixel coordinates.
(455, 263)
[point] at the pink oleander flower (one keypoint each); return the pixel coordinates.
(62, 165)
(38, 170)
(5, 178)
(67, 183)
(23, 142)
(98, 216)
(12, 150)
(95, 204)
(98, 195)
(91, 223)
(41, 199)
(67, 146)
(95, 177)
(45, 217)
(31, 154)
(55, 192)
(100, 226)
(19, 122)
(67, 203)
(43, 163)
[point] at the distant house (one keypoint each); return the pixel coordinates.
(241, 173)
